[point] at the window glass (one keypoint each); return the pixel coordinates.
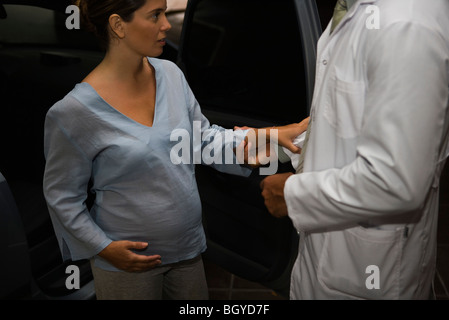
(29, 25)
(245, 58)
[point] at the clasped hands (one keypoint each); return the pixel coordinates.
(272, 186)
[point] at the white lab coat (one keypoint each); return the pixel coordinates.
(366, 206)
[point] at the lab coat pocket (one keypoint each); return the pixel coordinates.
(361, 263)
(344, 107)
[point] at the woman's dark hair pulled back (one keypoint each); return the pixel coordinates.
(95, 15)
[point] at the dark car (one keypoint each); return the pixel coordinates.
(248, 63)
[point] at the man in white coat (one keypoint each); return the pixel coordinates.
(366, 204)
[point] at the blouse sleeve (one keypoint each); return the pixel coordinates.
(66, 178)
(217, 144)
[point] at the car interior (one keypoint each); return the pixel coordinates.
(40, 63)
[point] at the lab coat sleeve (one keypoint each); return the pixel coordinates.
(399, 142)
(212, 144)
(66, 178)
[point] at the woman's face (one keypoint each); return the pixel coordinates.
(146, 32)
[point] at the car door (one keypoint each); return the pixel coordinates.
(249, 63)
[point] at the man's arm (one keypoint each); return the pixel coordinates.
(405, 108)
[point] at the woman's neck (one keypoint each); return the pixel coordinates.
(126, 67)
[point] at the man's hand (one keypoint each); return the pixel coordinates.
(273, 193)
(120, 255)
(288, 133)
(258, 147)
(252, 152)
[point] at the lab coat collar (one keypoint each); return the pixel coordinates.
(352, 11)
(356, 5)
(350, 3)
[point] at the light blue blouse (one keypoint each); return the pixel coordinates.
(140, 194)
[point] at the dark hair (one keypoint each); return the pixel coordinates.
(95, 15)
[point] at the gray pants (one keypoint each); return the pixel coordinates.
(184, 280)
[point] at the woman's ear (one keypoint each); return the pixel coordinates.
(117, 26)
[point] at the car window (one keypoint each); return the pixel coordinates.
(30, 25)
(245, 58)
(40, 61)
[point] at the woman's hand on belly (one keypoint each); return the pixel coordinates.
(119, 254)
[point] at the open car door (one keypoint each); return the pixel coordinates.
(249, 62)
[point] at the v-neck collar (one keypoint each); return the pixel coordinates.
(99, 98)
